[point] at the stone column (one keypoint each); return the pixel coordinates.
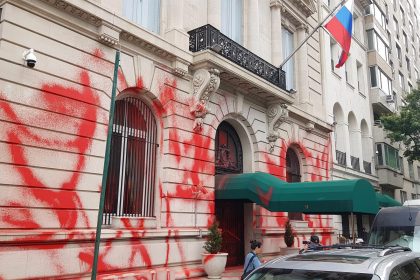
(356, 146)
(253, 26)
(348, 143)
(302, 78)
(214, 15)
(175, 32)
(276, 39)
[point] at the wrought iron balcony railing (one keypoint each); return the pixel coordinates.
(341, 157)
(368, 167)
(208, 37)
(355, 163)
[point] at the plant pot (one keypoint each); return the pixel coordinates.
(214, 264)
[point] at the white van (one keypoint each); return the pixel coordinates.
(413, 202)
(397, 226)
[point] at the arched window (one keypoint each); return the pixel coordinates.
(228, 150)
(132, 166)
(292, 176)
(292, 166)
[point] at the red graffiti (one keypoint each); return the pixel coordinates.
(265, 197)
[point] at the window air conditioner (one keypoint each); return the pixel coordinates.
(390, 98)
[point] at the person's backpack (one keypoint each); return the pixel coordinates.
(245, 274)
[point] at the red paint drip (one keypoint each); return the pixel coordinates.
(265, 197)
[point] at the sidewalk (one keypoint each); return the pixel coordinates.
(231, 273)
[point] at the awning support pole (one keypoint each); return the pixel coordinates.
(352, 228)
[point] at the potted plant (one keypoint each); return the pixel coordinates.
(214, 262)
(289, 239)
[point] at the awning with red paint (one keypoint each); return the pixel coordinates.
(323, 197)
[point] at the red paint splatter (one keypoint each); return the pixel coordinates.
(98, 53)
(139, 83)
(265, 197)
(208, 258)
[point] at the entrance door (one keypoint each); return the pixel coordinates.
(230, 214)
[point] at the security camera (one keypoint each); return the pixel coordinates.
(29, 58)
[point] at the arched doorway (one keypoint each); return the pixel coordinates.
(230, 213)
(293, 175)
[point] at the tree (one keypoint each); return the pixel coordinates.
(405, 126)
(214, 239)
(289, 237)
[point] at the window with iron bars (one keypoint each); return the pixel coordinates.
(131, 173)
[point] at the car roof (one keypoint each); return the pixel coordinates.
(366, 260)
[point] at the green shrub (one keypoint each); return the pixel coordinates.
(214, 239)
(289, 237)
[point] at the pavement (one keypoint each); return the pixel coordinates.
(231, 273)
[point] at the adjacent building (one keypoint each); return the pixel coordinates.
(393, 35)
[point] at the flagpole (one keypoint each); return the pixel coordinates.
(312, 33)
(105, 170)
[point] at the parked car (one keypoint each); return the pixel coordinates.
(393, 263)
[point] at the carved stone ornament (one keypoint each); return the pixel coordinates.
(205, 83)
(310, 126)
(277, 114)
(108, 34)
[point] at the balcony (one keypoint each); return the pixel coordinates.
(381, 102)
(374, 58)
(209, 38)
(390, 178)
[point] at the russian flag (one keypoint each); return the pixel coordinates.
(340, 27)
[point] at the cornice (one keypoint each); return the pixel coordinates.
(109, 33)
(75, 11)
(145, 45)
(308, 7)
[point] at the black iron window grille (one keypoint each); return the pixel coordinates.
(341, 157)
(228, 150)
(132, 166)
(355, 163)
(368, 167)
(208, 37)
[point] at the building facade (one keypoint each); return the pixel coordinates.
(348, 109)
(200, 94)
(393, 35)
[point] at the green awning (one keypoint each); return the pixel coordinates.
(324, 197)
(386, 201)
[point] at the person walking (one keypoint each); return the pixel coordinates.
(251, 260)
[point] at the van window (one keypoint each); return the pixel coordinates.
(397, 226)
